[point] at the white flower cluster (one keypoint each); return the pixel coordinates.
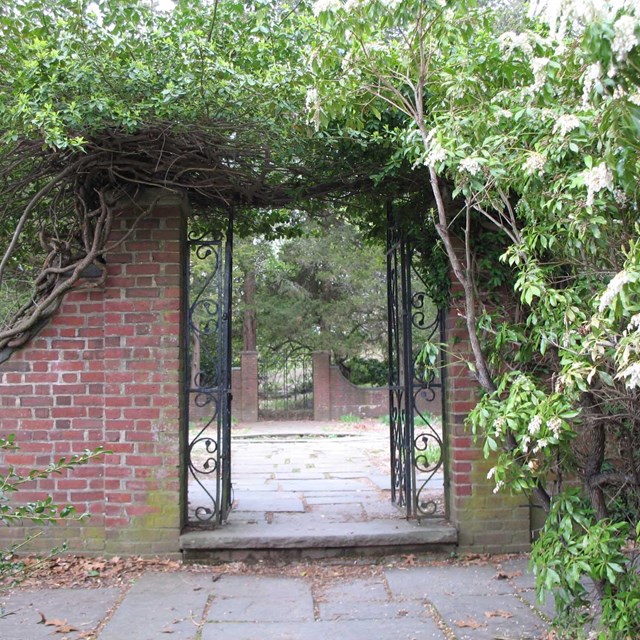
(625, 37)
(613, 289)
(562, 14)
(312, 102)
(632, 375)
(504, 113)
(543, 443)
(434, 151)
(538, 66)
(566, 123)
(555, 426)
(470, 165)
(534, 164)
(320, 6)
(597, 179)
(634, 323)
(591, 76)
(498, 425)
(510, 40)
(534, 425)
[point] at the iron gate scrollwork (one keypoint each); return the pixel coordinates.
(416, 380)
(207, 366)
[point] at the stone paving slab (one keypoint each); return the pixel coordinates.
(251, 609)
(82, 609)
(403, 629)
(160, 605)
(498, 616)
(272, 501)
(422, 582)
(371, 610)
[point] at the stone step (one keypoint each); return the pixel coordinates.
(244, 541)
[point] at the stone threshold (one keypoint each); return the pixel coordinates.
(240, 541)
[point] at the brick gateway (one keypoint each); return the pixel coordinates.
(106, 370)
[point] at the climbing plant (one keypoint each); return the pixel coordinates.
(529, 141)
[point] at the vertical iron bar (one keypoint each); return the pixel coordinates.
(225, 380)
(407, 374)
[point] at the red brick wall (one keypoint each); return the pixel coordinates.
(495, 523)
(334, 396)
(105, 371)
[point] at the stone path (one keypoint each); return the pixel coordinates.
(314, 485)
(483, 601)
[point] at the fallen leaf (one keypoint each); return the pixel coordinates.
(498, 613)
(506, 575)
(62, 626)
(469, 622)
(167, 631)
(409, 559)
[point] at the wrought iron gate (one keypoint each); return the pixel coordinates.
(417, 445)
(207, 376)
(285, 383)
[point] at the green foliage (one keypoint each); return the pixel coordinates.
(532, 138)
(574, 550)
(368, 372)
(323, 288)
(38, 512)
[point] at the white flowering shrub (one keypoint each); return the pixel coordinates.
(533, 136)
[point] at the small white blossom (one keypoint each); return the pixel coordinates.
(540, 445)
(320, 6)
(566, 123)
(524, 443)
(312, 102)
(534, 425)
(597, 179)
(509, 41)
(619, 93)
(470, 165)
(625, 37)
(591, 76)
(491, 473)
(436, 154)
(613, 289)
(635, 99)
(504, 113)
(555, 426)
(538, 66)
(620, 197)
(634, 323)
(532, 464)
(632, 375)
(498, 486)
(534, 164)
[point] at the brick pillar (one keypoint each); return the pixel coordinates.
(236, 392)
(321, 385)
(249, 393)
(486, 522)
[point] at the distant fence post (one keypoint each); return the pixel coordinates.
(321, 385)
(249, 395)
